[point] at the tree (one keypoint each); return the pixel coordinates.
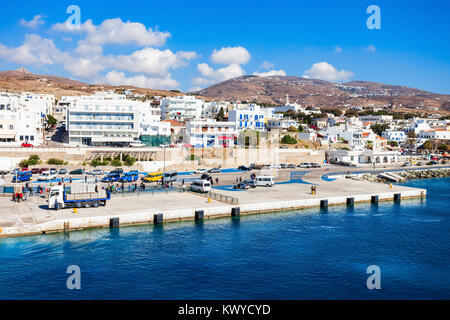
(379, 128)
(300, 128)
(51, 120)
(221, 115)
(411, 135)
(292, 129)
(287, 139)
(442, 147)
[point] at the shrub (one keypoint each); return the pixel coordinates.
(31, 161)
(287, 139)
(97, 162)
(116, 162)
(56, 161)
(129, 161)
(292, 129)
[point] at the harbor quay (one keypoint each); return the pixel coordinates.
(34, 217)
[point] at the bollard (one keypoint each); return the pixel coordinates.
(324, 204)
(350, 202)
(374, 199)
(114, 222)
(158, 218)
(199, 214)
(397, 197)
(235, 212)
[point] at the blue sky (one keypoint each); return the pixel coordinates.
(192, 44)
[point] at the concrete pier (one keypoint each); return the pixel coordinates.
(33, 216)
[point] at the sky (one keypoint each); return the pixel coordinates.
(188, 45)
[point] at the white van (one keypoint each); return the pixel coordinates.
(201, 186)
(265, 181)
(46, 176)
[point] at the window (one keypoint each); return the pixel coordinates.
(21, 138)
(11, 127)
(32, 138)
(1, 126)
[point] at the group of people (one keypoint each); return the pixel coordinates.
(313, 189)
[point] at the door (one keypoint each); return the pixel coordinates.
(86, 141)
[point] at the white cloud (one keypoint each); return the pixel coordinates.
(337, 49)
(371, 48)
(115, 31)
(119, 78)
(267, 65)
(34, 50)
(230, 55)
(270, 73)
(325, 71)
(151, 61)
(225, 73)
(35, 22)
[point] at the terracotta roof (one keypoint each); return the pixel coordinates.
(174, 123)
(381, 138)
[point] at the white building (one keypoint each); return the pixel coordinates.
(104, 119)
(182, 108)
(211, 133)
(250, 116)
(22, 117)
(439, 134)
(373, 118)
(398, 136)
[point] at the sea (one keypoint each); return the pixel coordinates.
(385, 251)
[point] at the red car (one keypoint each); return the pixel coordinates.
(27, 145)
(25, 169)
(35, 170)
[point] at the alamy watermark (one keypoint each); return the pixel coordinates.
(374, 20)
(374, 280)
(74, 280)
(74, 21)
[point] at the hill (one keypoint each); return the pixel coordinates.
(21, 80)
(305, 91)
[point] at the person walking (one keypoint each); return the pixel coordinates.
(217, 180)
(70, 179)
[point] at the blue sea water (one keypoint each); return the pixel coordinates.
(305, 254)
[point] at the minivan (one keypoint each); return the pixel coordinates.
(201, 186)
(265, 181)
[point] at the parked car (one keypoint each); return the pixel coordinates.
(304, 165)
(283, 146)
(433, 162)
(314, 165)
(62, 171)
(77, 171)
(96, 172)
(251, 183)
(265, 181)
(48, 138)
(201, 186)
(242, 186)
(291, 166)
(53, 171)
(406, 164)
(244, 168)
(112, 177)
(420, 163)
(117, 171)
(201, 170)
(36, 170)
(46, 176)
(205, 176)
(26, 145)
(137, 144)
(214, 170)
(283, 166)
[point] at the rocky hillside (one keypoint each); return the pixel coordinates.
(21, 80)
(273, 90)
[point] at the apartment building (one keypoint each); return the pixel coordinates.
(398, 136)
(104, 119)
(182, 108)
(22, 118)
(250, 116)
(211, 133)
(439, 134)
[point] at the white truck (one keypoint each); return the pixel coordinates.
(6, 165)
(77, 196)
